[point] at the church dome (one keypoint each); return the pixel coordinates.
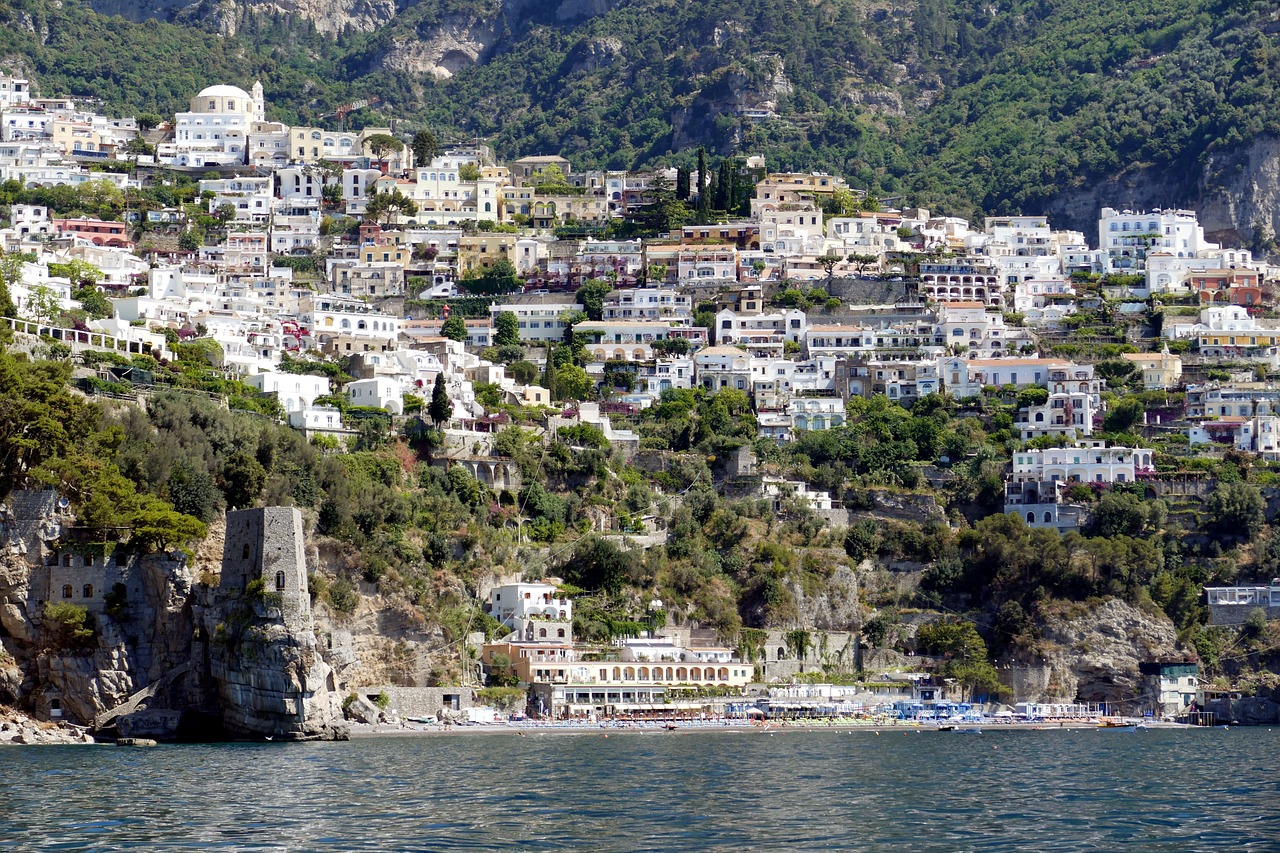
(222, 99)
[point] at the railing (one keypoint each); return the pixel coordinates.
(79, 340)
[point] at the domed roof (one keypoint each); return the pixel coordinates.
(224, 92)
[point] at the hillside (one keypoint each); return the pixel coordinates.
(958, 105)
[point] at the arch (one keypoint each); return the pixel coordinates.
(560, 633)
(682, 674)
(617, 673)
(244, 552)
(66, 591)
(723, 673)
(542, 632)
(644, 673)
(1048, 517)
(1031, 518)
(88, 590)
(696, 673)
(782, 653)
(280, 581)
(629, 673)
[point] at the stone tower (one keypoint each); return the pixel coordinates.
(259, 102)
(268, 544)
(264, 657)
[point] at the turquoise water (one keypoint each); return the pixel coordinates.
(999, 791)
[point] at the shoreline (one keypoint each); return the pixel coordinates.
(365, 731)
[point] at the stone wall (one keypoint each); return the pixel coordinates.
(1236, 614)
(35, 517)
(420, 701)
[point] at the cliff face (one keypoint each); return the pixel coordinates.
(328, 15)
(135, 635)
(1093, 653)
(1236, 194)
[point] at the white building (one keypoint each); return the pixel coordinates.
(296, 392)
(380, 392)
(215, 132)
(538, 317)
(535, 611)
(1127, 237)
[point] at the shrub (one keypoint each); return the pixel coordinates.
(343, 597)
(68, 625)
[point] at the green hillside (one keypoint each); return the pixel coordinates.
(958, 104)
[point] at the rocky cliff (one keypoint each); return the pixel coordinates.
(96, 636)
(1092, 652)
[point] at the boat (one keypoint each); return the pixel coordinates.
(135, 741)
(1118, 725)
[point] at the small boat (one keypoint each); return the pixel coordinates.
(1115, 723)
(135, 741)
(671, 727)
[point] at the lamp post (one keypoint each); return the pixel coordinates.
(656, 607)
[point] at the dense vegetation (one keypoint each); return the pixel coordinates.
(956, 104)
(425, 535)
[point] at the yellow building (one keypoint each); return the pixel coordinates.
(1160, 370)
(482, 251)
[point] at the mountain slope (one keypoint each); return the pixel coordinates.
(957, 104)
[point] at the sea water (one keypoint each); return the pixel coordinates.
(1050, 790)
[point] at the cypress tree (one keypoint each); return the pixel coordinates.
(724, 185)
(704, 198)
(682, 184)
(440, 408)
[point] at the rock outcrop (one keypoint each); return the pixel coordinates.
(18, 729)
(457, 42)
(1093, 653)
(1260, 710)
(138, 637)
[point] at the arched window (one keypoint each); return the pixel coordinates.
(88, 590)
(279, 580)
(66, 591)
(244, 552)
(560, 633)
(1048, 517)
(1031, 518)
(542, 632)
(66, 561)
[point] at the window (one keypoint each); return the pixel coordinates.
(279, 581)
(88, 590)
(244, 552)
(66, 591)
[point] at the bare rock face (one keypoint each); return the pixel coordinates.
(457, 43)
(273, 683)
(833, 605)
(328, 15)
(1095, 652)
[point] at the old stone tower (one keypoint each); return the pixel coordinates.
(268, 544)
(263, 655)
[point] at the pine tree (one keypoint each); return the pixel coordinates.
(682, 184)
(440, 407)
